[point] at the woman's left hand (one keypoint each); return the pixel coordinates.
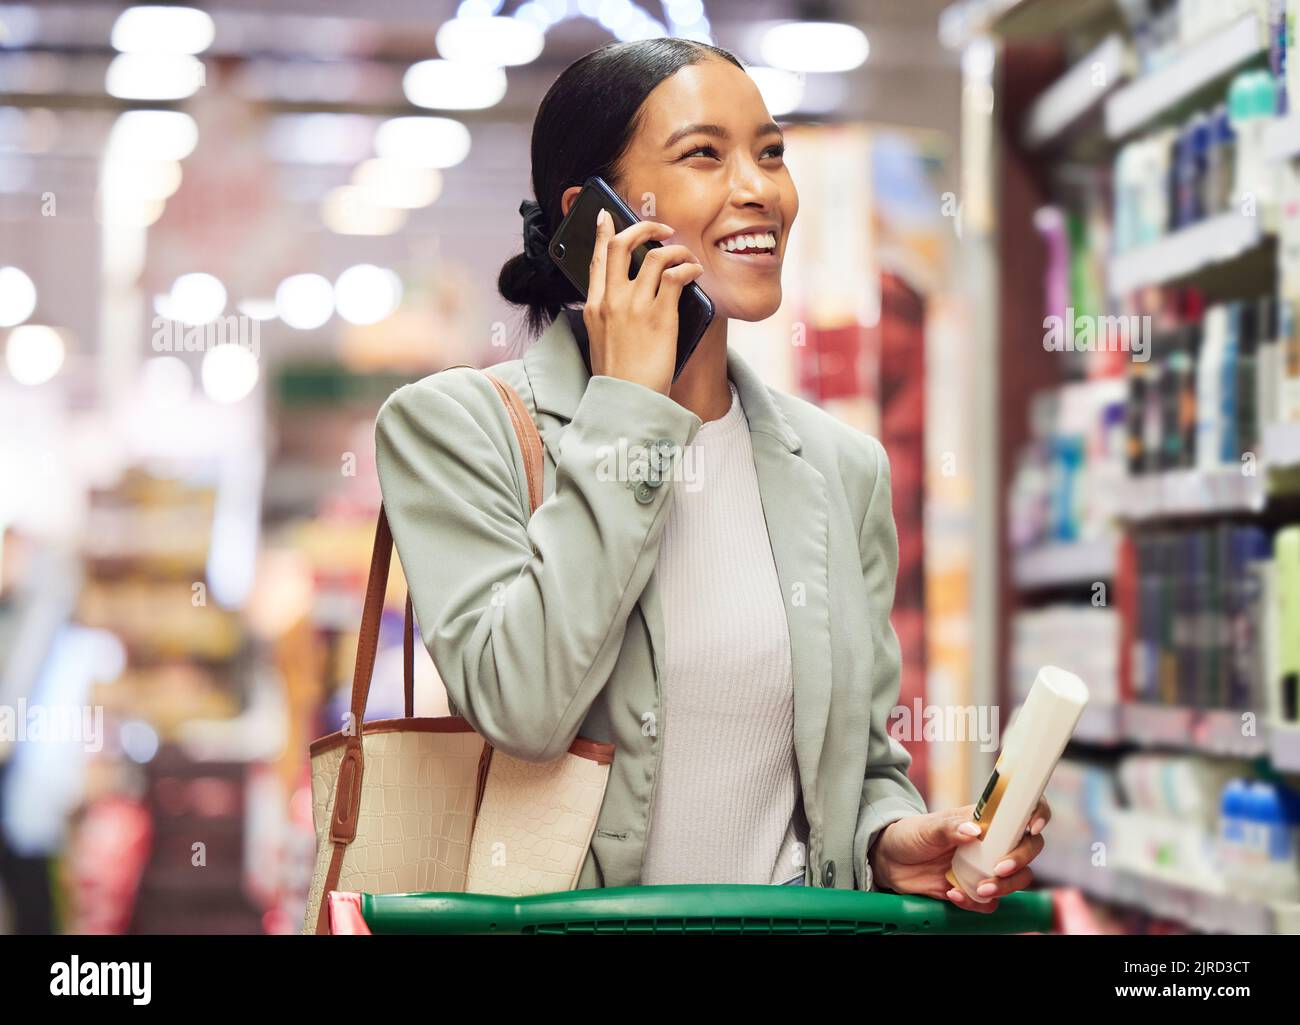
(912, 855)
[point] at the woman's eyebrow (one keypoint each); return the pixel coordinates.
(718, 132)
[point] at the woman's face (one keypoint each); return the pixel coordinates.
(707, 161)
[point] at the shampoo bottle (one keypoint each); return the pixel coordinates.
(1030, 751)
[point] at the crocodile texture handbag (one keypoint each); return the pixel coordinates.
(426, 804)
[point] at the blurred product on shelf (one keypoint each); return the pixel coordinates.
(1282, 626)
(1163, 29)
(109, 843)
(1065, 485)
(1169, 822)
(1085, 639)
(1216, 163)
(195, 869)
(1083, 796)
(1199, 821)
(1259, 839)
(1201, 597)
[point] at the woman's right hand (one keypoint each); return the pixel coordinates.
(632, 323)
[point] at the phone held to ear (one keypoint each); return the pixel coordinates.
(575, 240)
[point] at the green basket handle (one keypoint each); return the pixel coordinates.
(698, 908)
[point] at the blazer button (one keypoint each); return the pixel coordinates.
(661, 454)
(828, 874)
(645, 493)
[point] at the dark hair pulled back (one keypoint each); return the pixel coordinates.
(583, 127)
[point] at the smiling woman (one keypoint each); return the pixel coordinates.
(729, 635)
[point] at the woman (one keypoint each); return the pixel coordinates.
(725, 624)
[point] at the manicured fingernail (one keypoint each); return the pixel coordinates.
(969, 829)
(955, 894)
(602, 217)
(1004, 867)
(1038, 825)
(987, 889)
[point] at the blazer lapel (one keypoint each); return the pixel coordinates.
(795, 506)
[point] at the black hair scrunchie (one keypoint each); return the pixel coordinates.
(536, 239)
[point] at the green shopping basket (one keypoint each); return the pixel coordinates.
(683, 909)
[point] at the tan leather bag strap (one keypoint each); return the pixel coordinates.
(530, 445)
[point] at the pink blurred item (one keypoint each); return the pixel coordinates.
(1074, 916)
(345, 914)
(106, 860)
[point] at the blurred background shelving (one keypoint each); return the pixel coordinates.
(1144, 177)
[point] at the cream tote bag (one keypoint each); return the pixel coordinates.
(413, 805)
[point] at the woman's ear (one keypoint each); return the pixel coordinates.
(568, 198)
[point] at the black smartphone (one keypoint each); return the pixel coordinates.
(575, 239)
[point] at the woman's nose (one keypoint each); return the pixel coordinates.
(751, 184)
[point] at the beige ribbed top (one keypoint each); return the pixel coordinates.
(726, 804)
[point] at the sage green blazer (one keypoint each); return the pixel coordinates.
(548, 628)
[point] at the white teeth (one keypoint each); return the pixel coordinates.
(763, 240)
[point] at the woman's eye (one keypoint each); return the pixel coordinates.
(776, 150)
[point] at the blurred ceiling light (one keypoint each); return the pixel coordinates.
(17, 173)
(154, 76)
(167, 381)
(349, 210)
(17, 296)
(423, 141)
(387, 183)
(639, 26)
(451, 85)
(684, 12)
(257, 309)
(542, 13)
(145, 179)
(19, 27)
(196, 299)
(139, 741)
(34, 353)
(229, 372)
(128, 211)
(153, 135)
(320, 138)
(614, 14)
(782, 90)
(814, 46)
(151, 29)
(366, 294)
(304, 301)
(701, 31)
(499, 42)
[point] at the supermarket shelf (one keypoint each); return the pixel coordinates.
(1286, 919)
(1282, 138)
(1147, 98)
(1282, 444)
(1191, 493)
(1100, 724)
(1200, 905)
(1210, 731)
(1181, 254)
(1284, 747)
(1058, 565)
(1076, 93)
(1194, 903)
(1059, 864)
(963, 21)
